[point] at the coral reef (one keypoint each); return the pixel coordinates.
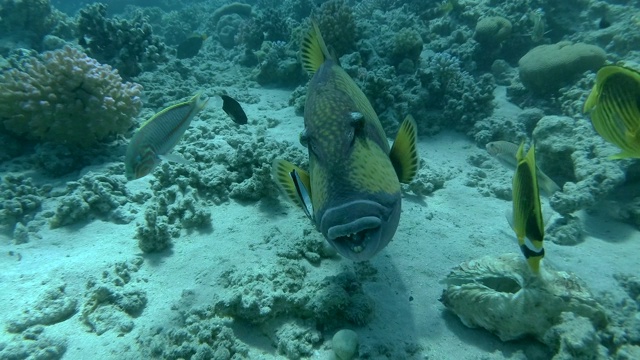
(338, 26)
(492, 30)
(228, 9)
(456, 99)
(54, 305)
(571, 151)
(25, 23)
(487, 176)
(113, 300)
(227, 29)
(546, 68)
(127, 45)
(265, 294)
(94, 194)
(574, 338)
(407, 46)
(66, 97)
(21, 199)
(205, 336)
(496, 293)
(278, 65)
(33, 344)
(174, 209)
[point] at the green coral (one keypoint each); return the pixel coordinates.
(33, 18)
(407, 45)
(127, 45)
(492, 30)
(338, 26)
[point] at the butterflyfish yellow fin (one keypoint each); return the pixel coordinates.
(294, 183)
(314, 51)
(614, 107)
(528, 223)
(404, 152)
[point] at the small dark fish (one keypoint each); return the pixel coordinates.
(233, 109)
(191, 46)
(604, 23)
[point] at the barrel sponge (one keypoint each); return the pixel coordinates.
(546, 68)
(66, 97)
(492, 30)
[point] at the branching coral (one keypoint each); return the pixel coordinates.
(127, 45)
(338, 26)
(31, 17)
(462, 98)
(66, 97)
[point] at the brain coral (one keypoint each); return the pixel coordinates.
(66, 97)
(492, 30)
(546, 68)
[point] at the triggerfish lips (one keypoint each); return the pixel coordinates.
(360, 229)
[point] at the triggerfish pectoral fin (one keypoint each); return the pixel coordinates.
(528, 223)
(295, 183)
(404, 152)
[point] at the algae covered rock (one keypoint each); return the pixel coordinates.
(503, 296)
(546, 68)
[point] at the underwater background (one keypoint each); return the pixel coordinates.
(203, 258)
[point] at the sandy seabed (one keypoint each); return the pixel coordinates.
(437, 232)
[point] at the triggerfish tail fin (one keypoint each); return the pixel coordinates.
(294, 183)
(614, 108)
(404, 152)
(528, 223)
(314, 51)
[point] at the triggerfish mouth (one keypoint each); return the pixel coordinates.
(351, 191)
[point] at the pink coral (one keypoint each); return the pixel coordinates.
(66, 97)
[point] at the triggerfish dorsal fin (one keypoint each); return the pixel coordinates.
(404, 152)
(295, 183)
(528, 223)
(314, 51)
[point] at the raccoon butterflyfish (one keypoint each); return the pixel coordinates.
(505, 152)
(528, 223)
(614, 108)
(351, 191)
(158, 135)
(191, 46)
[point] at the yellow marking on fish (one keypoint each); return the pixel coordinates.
(354, 183)
(371, 169)
(614, 108)
(505, 152)
(528, 223)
